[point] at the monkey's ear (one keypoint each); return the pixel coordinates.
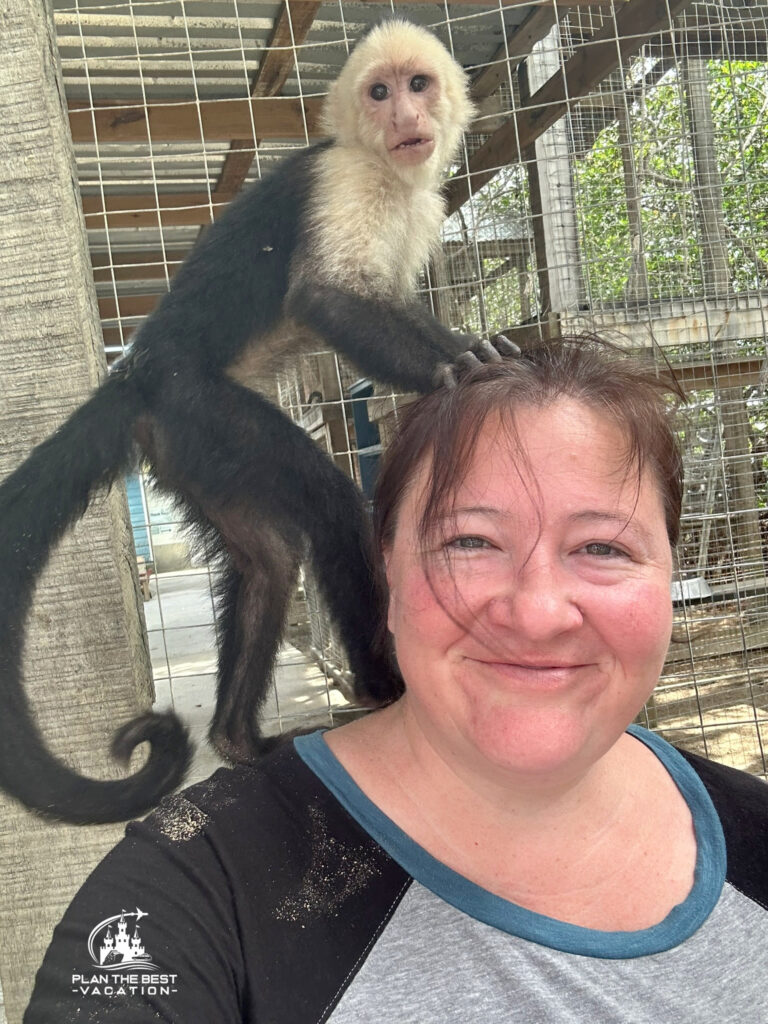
(330, 116)
(342, 116)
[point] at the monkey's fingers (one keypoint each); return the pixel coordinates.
(483, 352)
(474, 357)
(445, 376)
(506, 347)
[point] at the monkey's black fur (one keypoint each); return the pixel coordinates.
(242, 470)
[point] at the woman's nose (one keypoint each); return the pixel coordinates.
(537, 601)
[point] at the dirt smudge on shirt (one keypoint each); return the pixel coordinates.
(178, 819)
(336, 871)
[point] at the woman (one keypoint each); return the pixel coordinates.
(498, 843)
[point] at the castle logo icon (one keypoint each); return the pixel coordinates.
(121, 947)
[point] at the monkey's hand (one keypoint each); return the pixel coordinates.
(480, 351)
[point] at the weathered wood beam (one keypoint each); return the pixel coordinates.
(504, 3)
(280, 117)
(518, 45)
(290, 30)
(745, 41)
(636, 22)
(127, 305)
(150, 264)
(135, 265)
(673, 323)
(733, 373)
(176, 209)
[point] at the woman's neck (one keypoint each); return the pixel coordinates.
(580, 847)
(389, 751)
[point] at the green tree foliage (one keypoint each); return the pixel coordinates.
(665, 177)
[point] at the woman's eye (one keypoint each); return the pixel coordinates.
(468, 543)
(378, 92)
(602, 550)
(419, 83)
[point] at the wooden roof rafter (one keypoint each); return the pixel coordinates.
(281, 117)
(514, 49)
(275, 117)
(290, 30)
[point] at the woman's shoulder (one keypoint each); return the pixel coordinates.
(275, 794)
(737, 791)
(741, 802)
(276, 811)
(223, 876)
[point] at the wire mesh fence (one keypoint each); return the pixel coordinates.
(615, 180)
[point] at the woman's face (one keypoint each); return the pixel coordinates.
(535, 625)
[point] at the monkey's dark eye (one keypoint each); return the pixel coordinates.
(378, 92)
(419, 83)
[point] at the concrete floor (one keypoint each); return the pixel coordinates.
(179, 618)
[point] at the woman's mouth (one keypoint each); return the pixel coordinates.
(540, 676)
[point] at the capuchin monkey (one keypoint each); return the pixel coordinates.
(324, 252)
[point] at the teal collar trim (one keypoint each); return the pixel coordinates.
(682, 921)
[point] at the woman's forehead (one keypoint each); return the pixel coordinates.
(518, 440)
(542, 455)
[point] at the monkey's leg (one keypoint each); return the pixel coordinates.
(342, 561)
(257, 568)
(254, 474)
(255, 598)
(252, 605)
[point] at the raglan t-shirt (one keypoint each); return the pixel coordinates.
(281, 894)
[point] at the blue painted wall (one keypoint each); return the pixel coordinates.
(136, 507)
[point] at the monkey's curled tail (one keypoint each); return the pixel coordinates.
(38, 502)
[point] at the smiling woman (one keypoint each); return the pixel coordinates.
(527, 521)
(499, 842)
(511, 629)
(528, 563)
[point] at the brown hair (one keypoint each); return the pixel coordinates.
(445, 424)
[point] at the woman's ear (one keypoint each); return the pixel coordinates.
(386, 558)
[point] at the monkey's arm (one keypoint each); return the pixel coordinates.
(402, 345)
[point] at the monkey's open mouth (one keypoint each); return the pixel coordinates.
(411, 143)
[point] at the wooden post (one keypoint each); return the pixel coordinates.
(555, 184)
(86, 663)
(637, 289)
(736, 448)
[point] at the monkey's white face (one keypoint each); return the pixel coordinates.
(398, 106)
